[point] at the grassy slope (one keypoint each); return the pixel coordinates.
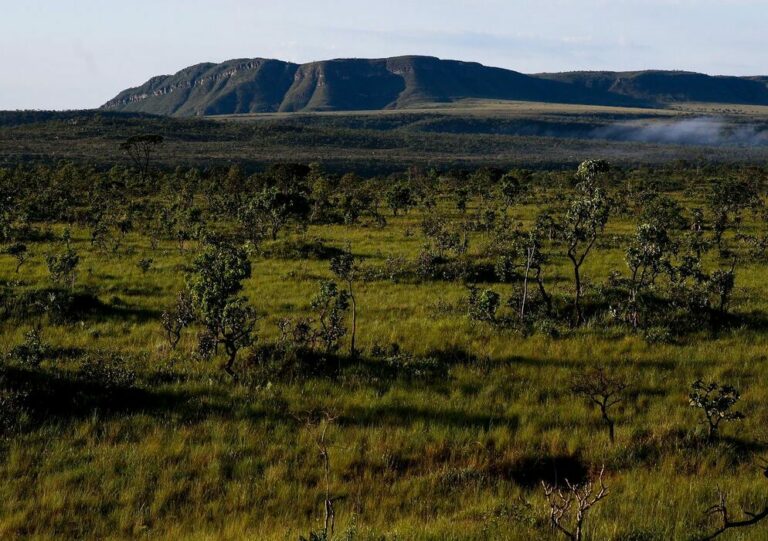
(207, 460)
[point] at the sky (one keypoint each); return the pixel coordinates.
(73, 54)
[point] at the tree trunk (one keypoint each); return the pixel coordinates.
(352, 349)
(577, 298)
(544, 294)
(525, 284)
(611, 427)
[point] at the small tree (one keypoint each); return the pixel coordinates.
(214, 283)
(144, 264)
(269, 211)
(343, 266)
(331, 303)
(572, 505)
(399, 198)
(140, 149)
(511, 188)
(647, 257)
(63, 266)
(483, 305)
(20, 252)
(319, 427)
(727, 201)
(586, 218)
(177, 318)
(601, 390)
(720, 284)
(715, 401)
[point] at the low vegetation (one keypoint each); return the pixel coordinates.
(438, 354)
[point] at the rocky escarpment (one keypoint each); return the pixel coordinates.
(261, 85)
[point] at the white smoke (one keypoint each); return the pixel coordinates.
(701, 131)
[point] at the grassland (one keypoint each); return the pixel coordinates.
(185, 453)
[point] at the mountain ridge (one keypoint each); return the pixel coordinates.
(259, 85)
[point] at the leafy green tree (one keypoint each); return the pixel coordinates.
(331, 304)
(648, 256)
(343, 266)
(483, 305)
(270, 210)
(63, 266)
(175, 319)
(399, 198)
(728, 200)
(585, 219)
(214, 285)
(441, 238)
(512, 187)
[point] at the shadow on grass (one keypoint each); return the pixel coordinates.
(64, 305)
(397, 415)
(60, 395)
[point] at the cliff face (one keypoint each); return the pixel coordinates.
(236, 86)
(260, 85)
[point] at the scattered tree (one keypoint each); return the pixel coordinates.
(331, 303)
(716, 403)
(569, 506)
(140, 149)
(343, 266)
(602, 390)
(586, 218)
(177, 318)
(214, 285)
(20, 252)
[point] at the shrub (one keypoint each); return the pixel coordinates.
(107, 369)
(32, 351)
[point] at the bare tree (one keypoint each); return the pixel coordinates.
(602, 390)
(140, 149)
(720, 510)
(573, 504)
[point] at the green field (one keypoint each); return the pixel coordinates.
(114, 435)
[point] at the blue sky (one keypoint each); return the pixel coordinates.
(59, 54)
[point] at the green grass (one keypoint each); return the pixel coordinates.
(198, 457)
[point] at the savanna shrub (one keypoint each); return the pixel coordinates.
(12, 409)
(412, 368)
(108, 369)
(31, 352)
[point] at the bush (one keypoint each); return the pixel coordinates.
(410, 368)
(658, 335)
(12, 409)
(302, 249)
(107, 369)
(30, 353)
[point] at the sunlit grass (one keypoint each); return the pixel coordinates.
(208, 459)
